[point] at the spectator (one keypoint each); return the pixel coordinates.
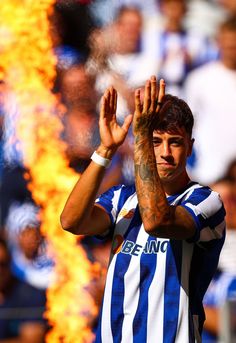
(223, 286)
(119, 59)
(177, 50)
(14, 185)
(80, 97)
(30, 262)
(80, 120)
(210, 91)
(21, 306)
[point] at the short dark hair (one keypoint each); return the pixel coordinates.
(229, 24)
(174, 114)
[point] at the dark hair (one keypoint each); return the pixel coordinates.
(229, 24)
(174, 114)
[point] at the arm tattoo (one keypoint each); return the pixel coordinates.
(152, 201)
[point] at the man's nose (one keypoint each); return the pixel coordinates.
(166, 150)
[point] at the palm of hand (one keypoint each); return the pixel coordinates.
(111, 133)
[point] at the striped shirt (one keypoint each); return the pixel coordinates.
(155, 286)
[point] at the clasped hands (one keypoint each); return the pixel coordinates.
(147, 107)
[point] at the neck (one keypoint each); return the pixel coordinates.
(175, 187)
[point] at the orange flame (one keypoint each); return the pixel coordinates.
(27, 66)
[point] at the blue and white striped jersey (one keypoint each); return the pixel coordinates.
(154, 287)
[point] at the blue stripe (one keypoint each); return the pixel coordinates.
(98, 338)
(198, 195)
(217, 218)
(105, 200)
(172, 290)
(147, 271)
(126, 192)
(121, 267)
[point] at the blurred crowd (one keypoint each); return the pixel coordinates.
(98, 43)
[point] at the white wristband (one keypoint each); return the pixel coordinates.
(102, 161)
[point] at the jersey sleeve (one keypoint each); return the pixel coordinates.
(109, 201)
(207, 210)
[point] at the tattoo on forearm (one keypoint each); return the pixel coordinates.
(151, 197)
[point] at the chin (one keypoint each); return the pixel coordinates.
(166, 177)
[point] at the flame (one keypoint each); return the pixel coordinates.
(27, 67)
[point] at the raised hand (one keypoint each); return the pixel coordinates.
(112, 134)
(147, 110)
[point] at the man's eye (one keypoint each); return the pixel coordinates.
(156, 142)
(176, 143)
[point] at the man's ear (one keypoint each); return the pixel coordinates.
(191, 146)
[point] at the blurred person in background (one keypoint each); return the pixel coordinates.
(177, 50)
(77, 89)
(223, 285)
(21, 306)
(30, 261)
(210, 91)
(14, 185)
(118, 58)
(78, 94)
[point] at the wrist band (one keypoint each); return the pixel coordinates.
(102, 161)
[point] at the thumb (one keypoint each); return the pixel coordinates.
(127, 122)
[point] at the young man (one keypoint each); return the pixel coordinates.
(167, 230)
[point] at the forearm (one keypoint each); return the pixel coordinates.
(79, 206)
(153, 205)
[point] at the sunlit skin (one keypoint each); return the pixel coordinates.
(171, 153)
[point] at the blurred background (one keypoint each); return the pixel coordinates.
(56, 60)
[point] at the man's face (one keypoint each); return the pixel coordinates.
(227, 44)
(171, 152)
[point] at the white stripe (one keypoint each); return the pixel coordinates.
(106, 332)
(131, 295)
(207, 207)
(183, 319)
(115, 201)
(156, 301)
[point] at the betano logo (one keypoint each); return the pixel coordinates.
(153, 246)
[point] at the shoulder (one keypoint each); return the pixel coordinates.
(204, 197)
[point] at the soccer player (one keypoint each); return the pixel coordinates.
(167, 230)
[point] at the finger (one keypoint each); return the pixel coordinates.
(147, 96)
(138, 105)
(103, 107)
(153, 93)
(162, 87)
(127, 122)
(114, 101)
(107, 102)
(111, 100)
(161, 94)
